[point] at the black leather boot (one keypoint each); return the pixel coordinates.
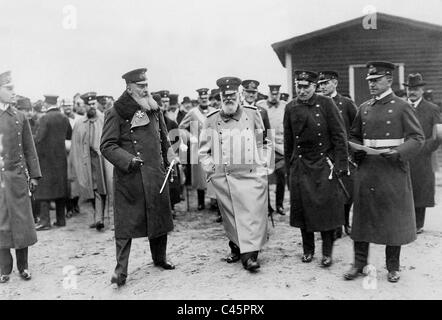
(201, 196)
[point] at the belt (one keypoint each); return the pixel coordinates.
(382, 143)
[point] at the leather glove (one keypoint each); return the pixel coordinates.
(341, 173)
(359, 155)
(135, 164)
(392, 155)
(33, 185)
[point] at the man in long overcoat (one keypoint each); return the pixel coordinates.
(231, 151)
(19, 172)
(328, 83)
(191, 126)
(135, 141)
(383, 211)
(421, 168)
(316, 157)
(87, 162)
(53, 129)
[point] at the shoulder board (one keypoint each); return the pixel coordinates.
(251, 107)
(213, 112)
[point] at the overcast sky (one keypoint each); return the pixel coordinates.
(185, 44)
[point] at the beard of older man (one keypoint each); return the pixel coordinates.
(146, 102)
(229, 106)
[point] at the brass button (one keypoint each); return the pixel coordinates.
(387, 134)
(388, 122)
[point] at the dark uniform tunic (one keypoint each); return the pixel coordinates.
(139, 208)
(314, 130)
(421, 169)
(383, 210)
(18, 162)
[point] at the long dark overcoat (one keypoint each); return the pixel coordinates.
(139, 208)
(421, 169)
(18, 163)
(314, 130)
(383, 211)
(52, 131)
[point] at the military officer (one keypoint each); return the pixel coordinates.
(192, 124)
(250, 93)
(316, 157)
(275, 109)
(328, 83)
(421, 169)
(237, 171)
(19, 172)
(135, 141)
(383, 200)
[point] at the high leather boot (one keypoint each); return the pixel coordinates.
(201, 196)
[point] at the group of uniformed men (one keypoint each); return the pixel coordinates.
(331, 154)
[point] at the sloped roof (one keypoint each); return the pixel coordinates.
(282, 46)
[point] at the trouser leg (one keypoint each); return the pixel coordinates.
(347, 208)
(201, 196)
(60, 211)
(361, 254)
(123, 251)
(308, 241)
(327, 242)
(35, 208)
(158, 248)
(5, 261)
(269, 205)
(99, 207)
(45, 218)
(22, 259)
(392, 256)
(280, 187)
(420, 217)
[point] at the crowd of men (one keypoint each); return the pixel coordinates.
(138, 156)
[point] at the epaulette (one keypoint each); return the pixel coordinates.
(212, 113)
(251, 107)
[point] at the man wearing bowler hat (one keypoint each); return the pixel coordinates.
(234, 157)
(135, 141)
(421, 169)
(328, 83)
(383, 210)
(316, 158)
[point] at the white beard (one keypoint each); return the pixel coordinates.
(147, 103)
(230, 108)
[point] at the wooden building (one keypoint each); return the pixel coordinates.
(413, 46)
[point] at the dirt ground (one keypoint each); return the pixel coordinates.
(197, 246)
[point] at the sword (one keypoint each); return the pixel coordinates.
(167, 175)
(332, 166)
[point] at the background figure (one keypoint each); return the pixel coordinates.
(53, 129)
(421, 168)
(88, 163)
(275, 109)
(192, 125)
(19, 171)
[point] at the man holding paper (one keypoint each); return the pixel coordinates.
(383, 198)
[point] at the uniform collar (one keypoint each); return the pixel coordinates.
(309, 102)
(383, 95)
(236, 116)
(3, 106)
